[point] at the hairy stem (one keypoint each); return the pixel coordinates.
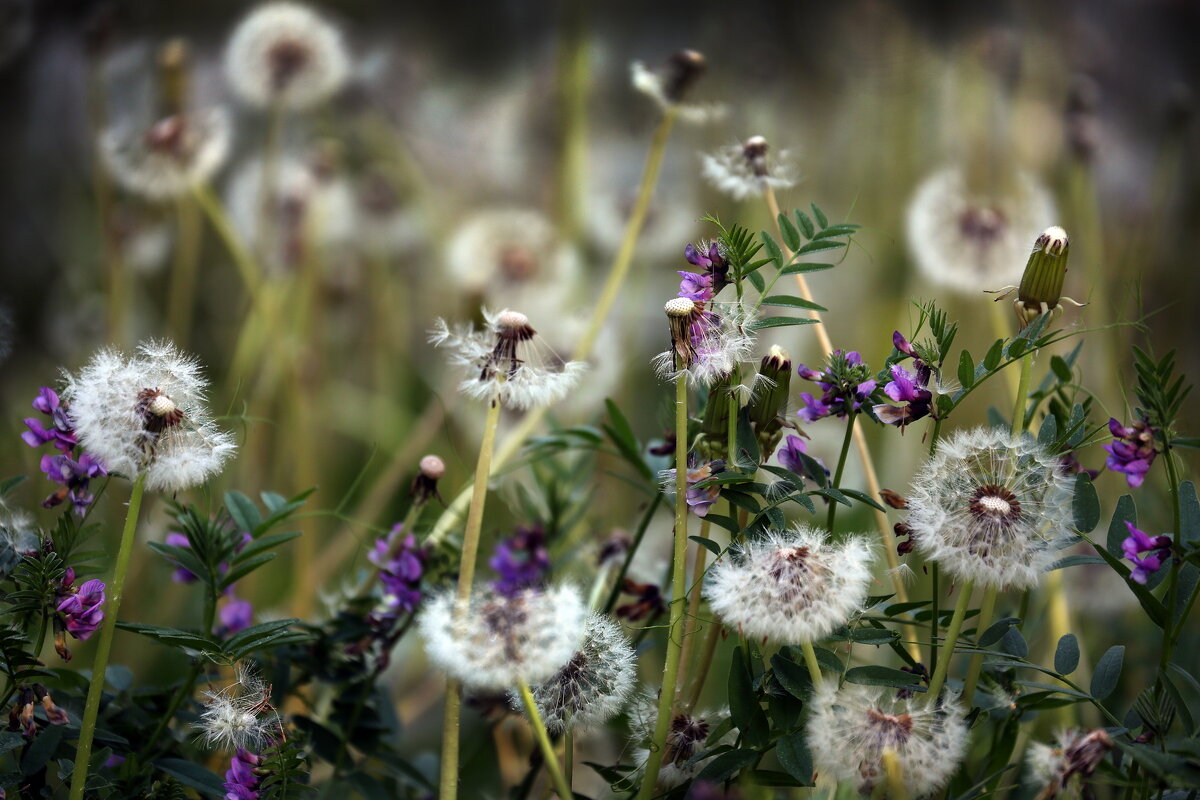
(114, 590)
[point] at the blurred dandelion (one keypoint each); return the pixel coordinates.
(687, 738)
(164, 160)
(743, 170)
(670, 85)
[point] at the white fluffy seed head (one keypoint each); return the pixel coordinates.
(687, 738)
(790, 587)
(495, 641)
(176, 447)
(965, 240)
(165, 159)
(238, 716)
(726, 342)
(512, 364)
(850, 729)
(1053, 241)
(991, 508)
(593, 685)
(743, 170)
(285, 54)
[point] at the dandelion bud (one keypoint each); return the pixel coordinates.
(714, 426)
(174, 59)
(754, 150)
(1041, 285)
(424, 486)
(768, 404)
(679, 312)
(684, 68)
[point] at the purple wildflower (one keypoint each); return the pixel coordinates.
(60, 434)
(401, 565)
(715, 266)
(235, 616)
(521, 561)
(73, 472)
(909, 388)
(1158, 547)
(180, 575)
(241, 779)
(1132, 450)
(789, 454)
(845, 384)
(82, 607)
(699, 500)
(697, 288)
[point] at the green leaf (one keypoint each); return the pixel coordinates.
(10, 741)
(863, 497)
(191, 774)
(1150, 604)
(1060, 369)
(8, 484)
(966, 369)
(772, 248)
(875, 675)
(1108, 672)
(1013, 643)
(805, 223)
(842, 229)
(804, 267)
(819, 246)
(744, 707)
(1086, 504)
(819, 215)
(621, 433)
(244, 512)
(264, 543)
(1066, 655)
(792, 677)
(778, 322)
(1016, 348)
(833, 494)
(794, 757)
(791, 236)
(41, 749)
(245, 567)
(994, 355)
(1125, 511)
(172, 637)
(1189, 514)
(707, 544)
(726, 765)
(791, 302)
(996, 631)
(1048, 431)
(873, 636)
(756, 279)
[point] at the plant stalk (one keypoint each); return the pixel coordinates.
(543, 739)
(987, 610)
(956, 623)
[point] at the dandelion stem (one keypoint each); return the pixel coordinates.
(543, 739)
(860, 442)
(810, 661)
(573, 75)
(934, 621)
(246, 266)
(91, 708)
(466, 576)
(956, 623)
(895, 775)
(987, 610)
(568, 755)
(692, 621)
(183, 279)
(666, 697)
(841, 466)
(1018, 418)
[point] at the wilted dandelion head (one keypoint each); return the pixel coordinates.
(687, 738)
(1075, 752)
(708, 341)
(508, 361)
(744, 170)
(991, 508)
(167, 158)
(285, 54)
(670, 84)
(968, 241)
(146, 413)
(792, 586)
(850, 729)
(494, 641)
(239, 716)
(593, 685)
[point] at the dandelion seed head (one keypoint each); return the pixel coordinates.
(687, 737)
(285, 54)
(167, 158)
(743, 170)
(850, 729)
(792, 586)
(239, 715)
(494, 641)
(965, 240)
(670, 84)
(146, 413)
(1052, 241)
(679, 307)
(991, 508)
(709, 342)
(593, 685)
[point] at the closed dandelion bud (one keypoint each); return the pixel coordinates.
(425, 485)
(768, 402)
(680, 312)
(794, 586)
(991, 508)
(714, 426)
(684, 68)
(671, 84)
(852, 729)
(1041, 285)
(593, 685)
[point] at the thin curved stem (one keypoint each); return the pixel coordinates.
(841, 467)
(987, 610)
(543, 739)
(956, 623)
(115, 588)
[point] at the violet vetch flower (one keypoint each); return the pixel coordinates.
(235, 616)
(845, 383)
(83, 607)
(908, 388)
(715, 266)
(1132, 450)
(180, 575)
(1158, 547)
(241, 779)
(72, 471)
(401, 564)
(521, 561)
(701, 499)
(60, 434)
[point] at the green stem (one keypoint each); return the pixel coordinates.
(1018, 417)
(569, 755)
(895, 776)
(810, 660)
(573, 75)
(841, 466)
(466, 576)
(987, 610)
(956, 623)
(666, 696)
(246, 266)
(640, 534)
(1172, 630)
(115, 588)
(934, 621)
(543, 739)
(185, 689)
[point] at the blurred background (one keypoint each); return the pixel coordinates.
(489, 153)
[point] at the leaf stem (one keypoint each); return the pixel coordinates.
(115, 588)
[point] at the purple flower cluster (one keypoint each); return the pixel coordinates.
(846, 383)
(73, 470)
(789, 455)
(521, 561)
(241, 779)
(908, 388)
(1132, 450)
(699, 500)
(82, 607)
(1158, 547)
(401, 565)
(715, 266)
(21, 717)
(182, 575)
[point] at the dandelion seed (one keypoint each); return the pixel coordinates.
(742, 170)
(687, 738)
(146, 413)
(792, 587)
(965, 240)
(509, 361)
(168, 158)
(991, 508)
(593, 685)
(285, 54)
(494, 641)
(670, 84)
(239, 716)
(850, 730)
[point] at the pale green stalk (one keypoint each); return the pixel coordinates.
(114, 590)
(956, 623)
(810, 661)
(987, 610)
(543, 739)
(183, 279)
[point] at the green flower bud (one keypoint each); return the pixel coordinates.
(714, 427)
(1041, 286)
(768, 405)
